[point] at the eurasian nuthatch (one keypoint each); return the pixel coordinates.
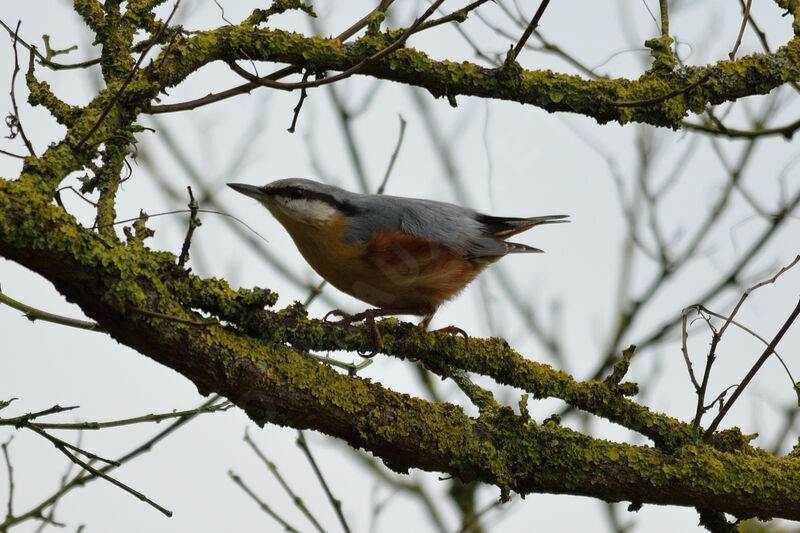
(401, 255)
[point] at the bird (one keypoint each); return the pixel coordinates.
(404, 256)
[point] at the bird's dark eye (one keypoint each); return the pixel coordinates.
(295, 193)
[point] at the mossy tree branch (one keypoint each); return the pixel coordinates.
(273, 382)
(604, 100)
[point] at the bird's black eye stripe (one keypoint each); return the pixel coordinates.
(298, 193)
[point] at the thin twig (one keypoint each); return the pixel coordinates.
(10, 471)
(157, 417)
(274, 470)
(57, 196)
(758, 364)
(16, 124)
(700, 408)
(83, 478)
(459, 16)
(65, 447)
(32, 314)
(754, 287)
(335, 502)
(51, 512)
(352, 369)
(531, 26)
(313, 293)
(745, 16)
(751, 332)
(194, 222)
(45, 60)
(264, 507)
(394, 156)
(299, 106)
(178, 211)
(9, 154)
(664, 18)
(685, 349)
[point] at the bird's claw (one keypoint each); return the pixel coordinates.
(369, 319)
(454, 330)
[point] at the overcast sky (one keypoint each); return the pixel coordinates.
(504, 159)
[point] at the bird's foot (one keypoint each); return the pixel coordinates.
(451, 330)
(368, 317)
(454, 330)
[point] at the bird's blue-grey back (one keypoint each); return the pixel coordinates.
(451, 225)
(456, 227)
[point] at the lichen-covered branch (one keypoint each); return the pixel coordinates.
(274, 382)
(604, 100)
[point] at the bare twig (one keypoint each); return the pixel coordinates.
(786, 131)
(664, 17)
(754, 287)
(49, 518)
(57, 196)
(82, 478)
(14, 121)
(32, 314)
(46, 60)
(352, 368)
(61, 446)
(335, 502)
(10, 473)
(685, 349)
(299, 503)
(745, 16)
(66, 448)
(531, 26)
(392, 159)
(758, 364)
(9, 154)
(194, 222)
(222, 406)
(177, 211)
(264, 507)
(751, 332)
(456, 16)
(299, 106)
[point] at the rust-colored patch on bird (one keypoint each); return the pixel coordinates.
(394, 271)
(421, 274)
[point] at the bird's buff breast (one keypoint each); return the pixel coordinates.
(393, 270)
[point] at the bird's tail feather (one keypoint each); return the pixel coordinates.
(504, 227)
(517, 248)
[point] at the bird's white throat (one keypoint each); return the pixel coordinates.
(308, 210)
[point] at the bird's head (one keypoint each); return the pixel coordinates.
(296, 200)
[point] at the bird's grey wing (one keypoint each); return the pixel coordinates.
(448, 224)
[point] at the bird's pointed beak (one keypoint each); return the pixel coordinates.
(248, 190)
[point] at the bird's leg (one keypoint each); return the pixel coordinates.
(452, 330)
(368, 317)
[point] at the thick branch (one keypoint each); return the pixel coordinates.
(725, 80)
(276, 383)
